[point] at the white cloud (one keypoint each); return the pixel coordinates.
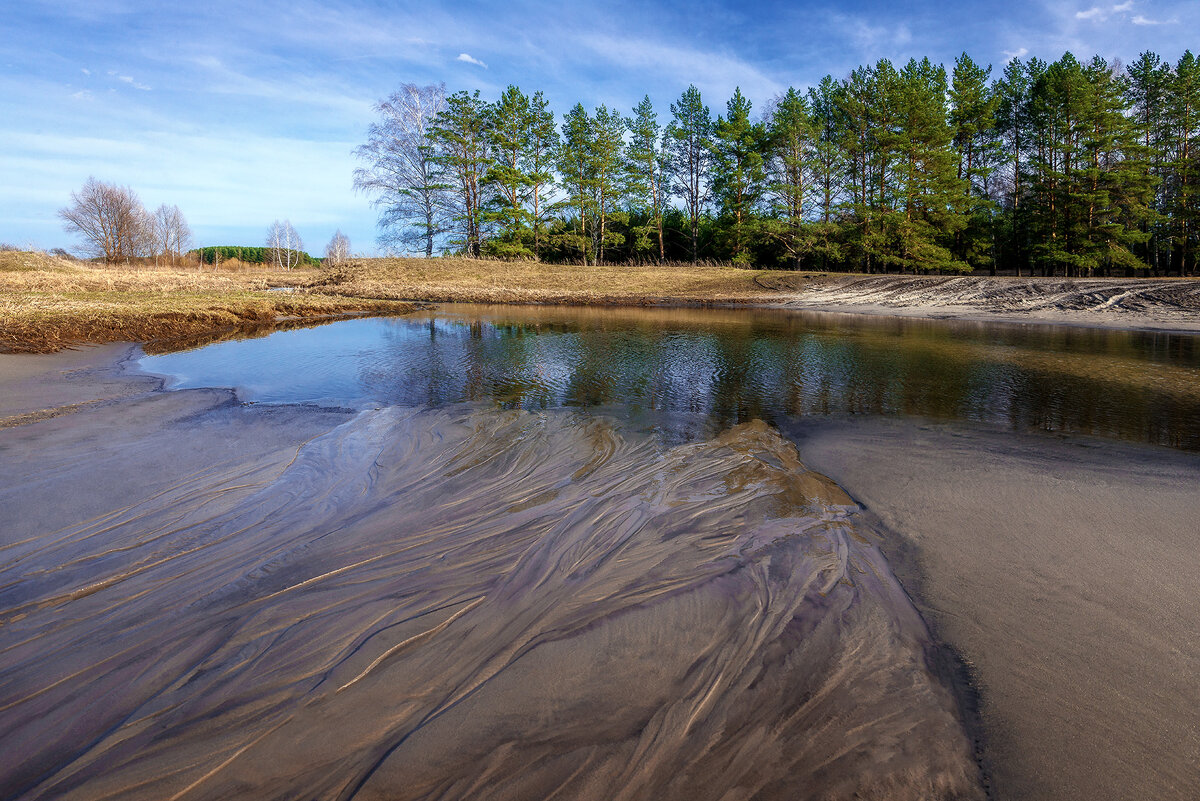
(129, 80)
(86, 71)
(1020, 52)
(1126, 6)
(82, 94)
(1095, 12)
(1140, 20)
(471, 60)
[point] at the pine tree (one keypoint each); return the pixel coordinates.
(459, 139)
(791, 138)
(509, 123)
(1184, 127)
(973, 106)
(687, 143)
(738, 170)
(645, 177)
(1116, 186)
(1147, 94)
(540, 153)
(575, 167)
(829, 166)
(926, 167)
(607, 159)
(1013, 123)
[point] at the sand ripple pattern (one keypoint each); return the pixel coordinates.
(455, 603)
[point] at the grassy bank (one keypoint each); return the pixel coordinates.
(478, 281)
(48, 303)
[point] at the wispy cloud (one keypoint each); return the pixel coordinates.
(469, 59)
(1119, 11)
(129, 80)
(1020, 52)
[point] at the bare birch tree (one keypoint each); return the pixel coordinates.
(172, 235)
(338, 249)
(407, 184)
(284, 244)
(111, 220)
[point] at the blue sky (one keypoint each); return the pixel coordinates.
(244, 112)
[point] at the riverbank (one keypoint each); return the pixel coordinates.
(48, 303)
(1145, 304)
(1063, 572)
(1056, 566)
(462, 598)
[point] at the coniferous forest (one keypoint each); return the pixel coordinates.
(1067, 168)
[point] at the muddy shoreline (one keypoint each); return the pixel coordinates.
(934, 492)
(453, 603)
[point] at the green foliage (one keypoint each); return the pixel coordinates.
(1065, 168)
(249, 255)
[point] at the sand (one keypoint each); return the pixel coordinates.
(1132, 304)
(203, 599)
(1064, 572)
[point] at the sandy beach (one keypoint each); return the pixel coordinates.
(204, 599)
(1063, 571)
(541, 602)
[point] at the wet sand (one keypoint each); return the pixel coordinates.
(202, 599)
(1064, 572)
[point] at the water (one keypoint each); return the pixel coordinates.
(696, 372)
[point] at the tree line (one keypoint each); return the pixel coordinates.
(115, 226)
(1072, 168)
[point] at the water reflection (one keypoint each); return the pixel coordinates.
(726, 367)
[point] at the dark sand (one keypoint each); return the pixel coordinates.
(200, 599)
(1065, 572)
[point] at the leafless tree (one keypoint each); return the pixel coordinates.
(412, 196)
(111, 220)
(172, 236)
(338, 249)
(285, 244)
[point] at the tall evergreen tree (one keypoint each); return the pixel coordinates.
(459, 139)
(687, 143)
(791, 138)
(1116, 186)
(575, 167)
(976, 141)
(607, 161)
(542, 148)
(829, 167)
(646, 182)
(509, 123)
(1184, 127)
(1147, 91)
(738, 172)
(1013, 123)
(926, 173)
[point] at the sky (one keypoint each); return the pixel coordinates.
(245, 112)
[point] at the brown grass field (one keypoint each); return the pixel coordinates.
(48, 303)
(484, 281)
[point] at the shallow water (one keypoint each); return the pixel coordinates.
(464, 603)
(696, 372)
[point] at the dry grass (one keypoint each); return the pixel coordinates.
(48, 303)
(481, 281)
